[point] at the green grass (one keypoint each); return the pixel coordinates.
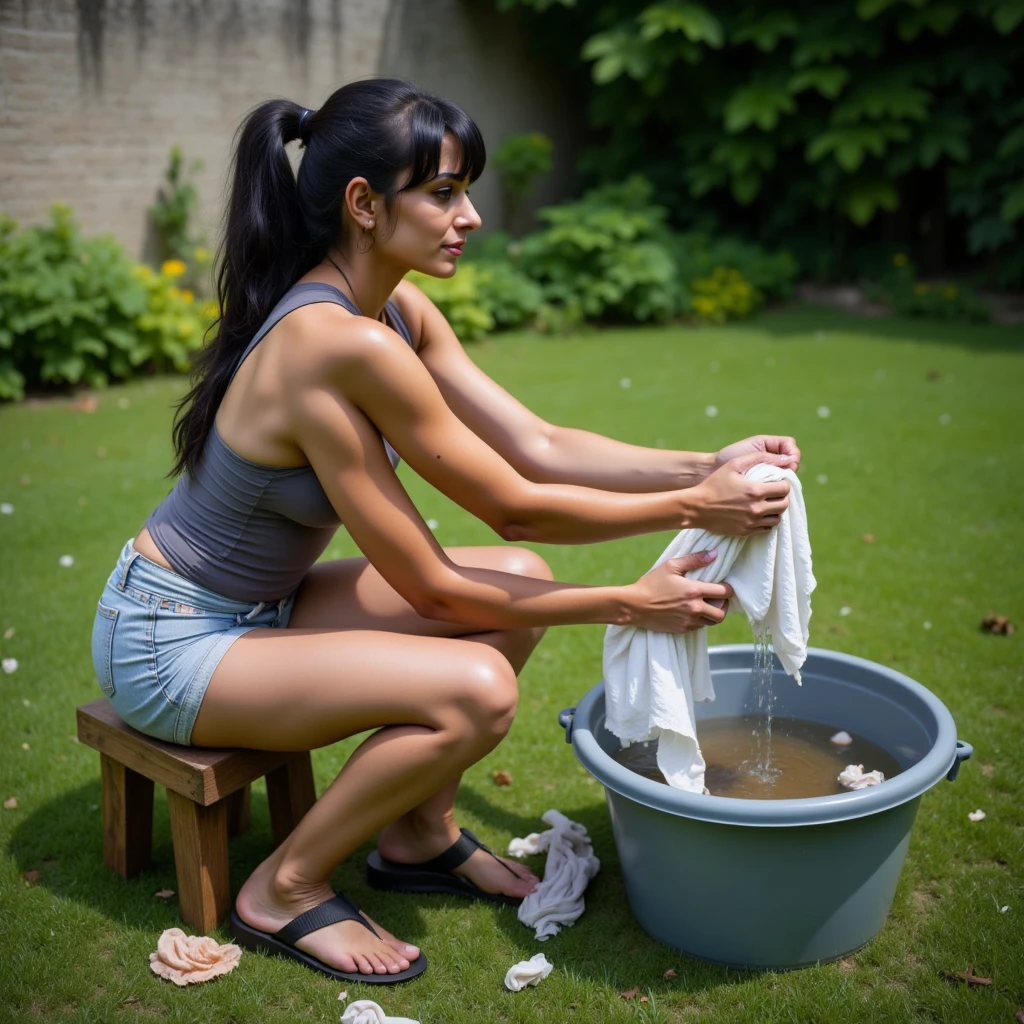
(944, 501)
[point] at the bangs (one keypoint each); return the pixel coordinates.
(428, 124)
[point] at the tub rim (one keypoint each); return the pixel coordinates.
(908, 785)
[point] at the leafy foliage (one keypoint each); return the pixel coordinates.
(818, 126)
(607, 257)
(520, 160)
(79, 311)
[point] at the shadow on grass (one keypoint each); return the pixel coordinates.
(800, 320)
(607, 943)
(63, 840)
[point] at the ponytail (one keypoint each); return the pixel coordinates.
(278, 227)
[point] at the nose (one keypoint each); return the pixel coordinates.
(468, 219)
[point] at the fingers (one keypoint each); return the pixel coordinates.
(696, 560)
(774, 490)
(715, 591)
(711, 615)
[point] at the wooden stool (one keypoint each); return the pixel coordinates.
(208, 796)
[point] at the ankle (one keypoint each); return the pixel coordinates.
(288, 885)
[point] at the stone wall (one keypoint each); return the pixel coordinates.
(93, 93)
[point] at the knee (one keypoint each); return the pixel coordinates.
(487, 694)
(524, 562)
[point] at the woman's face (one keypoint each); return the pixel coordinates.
(432, 220)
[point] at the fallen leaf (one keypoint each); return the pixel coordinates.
(32, 876)
(969, 976)
(130, 1001)
(8, 633)
(630, 993)
(933, 375)
(988, 770)
(11, 802)
(66, 561)
(87, 403)
(643, 999)
(164, 894)
(670, 973)
(503, 778)
(868, 538)
(998, 625)
(342, 996)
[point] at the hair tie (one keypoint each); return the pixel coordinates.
(302, 122)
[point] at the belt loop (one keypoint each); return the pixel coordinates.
(127, 566)
(256, 611)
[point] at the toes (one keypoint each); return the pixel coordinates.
(363, 964)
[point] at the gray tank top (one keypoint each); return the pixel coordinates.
(247, 531)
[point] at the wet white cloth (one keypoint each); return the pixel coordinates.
(653, 679)
(853, 776)
(571, 864)
(366, 1011)
(528, 972)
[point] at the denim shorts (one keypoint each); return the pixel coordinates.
(157, 639)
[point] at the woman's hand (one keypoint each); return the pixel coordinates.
(666, 601)
(730, 504)
(785, 447)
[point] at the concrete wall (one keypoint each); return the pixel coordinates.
(93, 93)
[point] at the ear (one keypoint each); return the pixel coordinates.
(362, 203)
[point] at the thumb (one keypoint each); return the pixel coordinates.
(695, 560)
(745, 462)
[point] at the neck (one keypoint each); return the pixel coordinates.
(367, 281)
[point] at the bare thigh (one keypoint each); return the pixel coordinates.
(349, 593)
(356, 656)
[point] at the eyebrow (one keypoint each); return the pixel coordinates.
(447, 176)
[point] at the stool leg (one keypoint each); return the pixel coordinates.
(200, 837)
(290, 793)
(127, 818)
(239, 804)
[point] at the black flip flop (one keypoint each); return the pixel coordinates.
(282, 943)
(435, 875)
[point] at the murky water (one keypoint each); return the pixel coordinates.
(803, 760)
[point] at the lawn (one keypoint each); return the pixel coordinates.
(912, 432)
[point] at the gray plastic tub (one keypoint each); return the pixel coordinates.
(775, 883)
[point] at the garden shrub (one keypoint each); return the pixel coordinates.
(80, 311)
(817, 126)
(900, 288)
(607, 253)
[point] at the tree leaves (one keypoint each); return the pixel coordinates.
(768, 30)
(849, 146)
(692, 20)
(759, 103)
(829, 81)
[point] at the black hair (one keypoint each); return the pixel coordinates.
(280, 225)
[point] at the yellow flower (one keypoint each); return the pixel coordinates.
(187, 295)
(211, 310)
(950, 292)
(173, 268)
(921, 289)
(202, 256)
(900, 259)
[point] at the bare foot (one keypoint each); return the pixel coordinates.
(404, 843)
(346, 946)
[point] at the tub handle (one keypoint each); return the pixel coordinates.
(963, 752)
(565, 718)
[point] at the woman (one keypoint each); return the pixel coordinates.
(216, 628)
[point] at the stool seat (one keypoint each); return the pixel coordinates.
(208, 797)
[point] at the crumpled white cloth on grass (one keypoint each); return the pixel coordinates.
(366, 1011)
(853, 776)
(528, 972)
(571, 864)
(652, 679)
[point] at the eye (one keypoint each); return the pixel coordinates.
(444, 194)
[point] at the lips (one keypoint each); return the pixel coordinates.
(455, 249)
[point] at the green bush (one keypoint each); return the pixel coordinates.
(608, 253)
(900, 288)
(818, 126)
(79, 311)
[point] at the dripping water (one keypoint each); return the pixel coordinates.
(760, 764)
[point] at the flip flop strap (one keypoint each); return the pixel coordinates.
(459, 852)
(337, 908)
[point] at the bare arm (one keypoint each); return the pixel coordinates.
(367, 369)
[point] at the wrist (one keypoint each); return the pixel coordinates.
(691, 506)
(622, 606)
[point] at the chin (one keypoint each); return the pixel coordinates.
(442, 266)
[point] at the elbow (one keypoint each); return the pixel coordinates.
(430, 604)
(517, 529)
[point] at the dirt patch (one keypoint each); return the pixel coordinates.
(924, 901)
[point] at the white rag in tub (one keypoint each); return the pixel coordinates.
(652, 679)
